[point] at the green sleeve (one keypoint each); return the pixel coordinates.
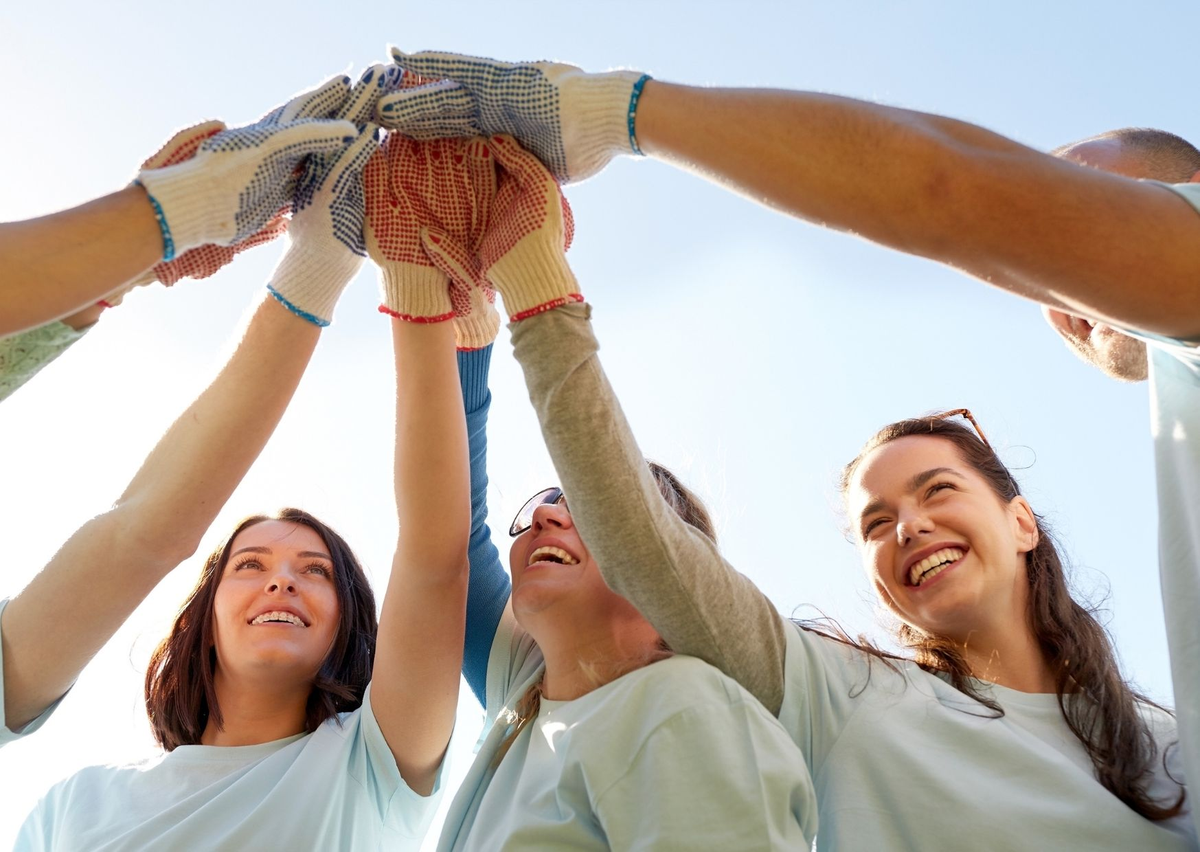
(23, 354)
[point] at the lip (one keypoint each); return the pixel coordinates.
(288, 609)
(550, 541)
(929, 551)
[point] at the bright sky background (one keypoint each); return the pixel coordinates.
(753, 353)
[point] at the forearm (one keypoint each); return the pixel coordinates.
(57, 264)
(671, 572)
(419, 650)
(1064, 235)
(109, 565)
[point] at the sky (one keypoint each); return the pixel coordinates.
(752, 353)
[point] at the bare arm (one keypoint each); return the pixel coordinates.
(55, 265)
(1116, 249)
(113, 561)
(414, 686)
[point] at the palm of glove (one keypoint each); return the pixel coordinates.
(447, 185)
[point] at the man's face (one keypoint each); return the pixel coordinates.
(1116, 354)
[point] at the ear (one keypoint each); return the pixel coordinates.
(1194, 178)
(1026, 521)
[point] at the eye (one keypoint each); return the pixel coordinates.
(872, 526)
(936, 487)
(248, 563)
(318, 568)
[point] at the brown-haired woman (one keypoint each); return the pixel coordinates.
(288, 720)
(1009, 727)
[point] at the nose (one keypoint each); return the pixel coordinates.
(550, 515)
(912, 525)
(281, 581)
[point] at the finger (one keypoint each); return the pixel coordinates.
(183, 145)
(308, 136)
(515, 160)
(456, 66)
(354, 159)
(360, 106)
(322, 102)
(451, 258)
(442, 97)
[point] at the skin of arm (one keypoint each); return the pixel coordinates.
(672, 573)
(111, 563)
(60, 264)
(1069, 237)
(414, 685)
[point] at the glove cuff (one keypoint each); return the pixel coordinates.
(183, 201)
(478, 328)
(604, 108)
(533, 277)
(310, 279)
(414, 293)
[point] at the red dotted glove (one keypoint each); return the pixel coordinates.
(523, 252)
(448, 186)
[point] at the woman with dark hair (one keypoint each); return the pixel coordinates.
(288, 719)
(600, 735)
(1009, 726)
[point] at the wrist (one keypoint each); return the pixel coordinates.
(413, 293)
(310, 279)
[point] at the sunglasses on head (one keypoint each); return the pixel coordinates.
(524, 518)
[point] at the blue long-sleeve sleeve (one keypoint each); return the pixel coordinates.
(489, 584)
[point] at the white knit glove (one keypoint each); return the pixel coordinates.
(573, 121)
(239, 179)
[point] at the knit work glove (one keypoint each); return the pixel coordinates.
(239, 179)
(523, 251)
(573, 121)
(445, 184)
(476, 321)
(327, 241)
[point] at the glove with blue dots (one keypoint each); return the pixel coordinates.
(329, 207)
(573, 121)
(239, 179)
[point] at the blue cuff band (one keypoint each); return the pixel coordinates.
(633, 102)
(303, 314)
(168, 243)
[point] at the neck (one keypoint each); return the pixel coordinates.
(1009, 658)
(256, 713)
(581, 657)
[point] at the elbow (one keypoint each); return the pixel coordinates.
(146, 539)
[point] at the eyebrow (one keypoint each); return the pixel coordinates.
(307, 554)
(913, 484)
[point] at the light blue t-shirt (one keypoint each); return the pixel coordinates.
(902, 761)
(673, 755)
(337, 788)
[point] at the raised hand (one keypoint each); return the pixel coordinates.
(573, 121)
(447, 185)
(523, 252)
(239, 179)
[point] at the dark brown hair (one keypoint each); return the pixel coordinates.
(691, 510)
(1098, 705)
(180, 695)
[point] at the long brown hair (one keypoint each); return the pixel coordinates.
(684, 502)
(1099, 706)
(180, 694)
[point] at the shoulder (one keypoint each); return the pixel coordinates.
(677, 684)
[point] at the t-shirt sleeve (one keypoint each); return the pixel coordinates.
(671, 572)
(7, 735)
(23, 354)
(713, 776)
(372, 764)
(1189, 192)
(489, 586)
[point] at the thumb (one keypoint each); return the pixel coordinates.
(451, 258)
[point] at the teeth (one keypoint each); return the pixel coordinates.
(933, 564)
(552, 554)
(278, 616)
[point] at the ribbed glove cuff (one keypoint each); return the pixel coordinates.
(478, 328)
(533, 277)
(185, 196)
(414, 293)
(602, 110)
(310, 279)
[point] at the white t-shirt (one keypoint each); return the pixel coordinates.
(674, 755)
(336, 788)
(902, 760)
